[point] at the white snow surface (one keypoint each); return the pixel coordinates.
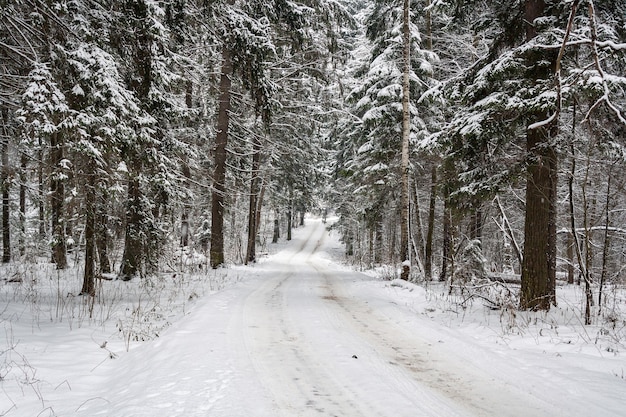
(299, 334)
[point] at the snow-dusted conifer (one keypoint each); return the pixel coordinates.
(44, 117)
(376, 101)
(517, 91)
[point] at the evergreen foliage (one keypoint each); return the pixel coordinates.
(130, 128)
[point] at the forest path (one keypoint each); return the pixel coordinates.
(301, 335)
(320, 350)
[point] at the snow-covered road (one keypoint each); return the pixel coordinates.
(300, 335)
(320, 350)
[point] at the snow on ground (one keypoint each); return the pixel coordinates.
(298, 334)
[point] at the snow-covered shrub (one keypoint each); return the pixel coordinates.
(472, 265)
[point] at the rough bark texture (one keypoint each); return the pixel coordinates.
(406, 131)
(133, 244)
(184, 221)
(539, 263)
(418, 240)
(571, 259)
(219, 173)
(276, 234)
(289, 222)
(447, 239)
(57, 196)
(6, 212)
(253, 206)
(259, 204)
(428, 255)
(89, 287)
(42, 195)
(23, 165)
(101, 234)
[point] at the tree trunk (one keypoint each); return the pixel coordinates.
(184, 221)
(429, 27)
(42, 195)
(428, 255)
(447, 239)
(6, 184)
(259, 205)
(572, 240)
(605, 246)
(133, 244)
(254, 196)
(139, 235)
(89, 287)
(370, 244)
(378, 239)
(589, 247)
(289, 221)
(219, 155)
(57, 195)
(539, 263)
(570, 258)
(406, 131)
(276, 234)
(23, 167)
(476, 222)
(101, 232)
(418, 230)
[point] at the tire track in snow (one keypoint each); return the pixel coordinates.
(426, 363)
(299, 384)
(302, 351)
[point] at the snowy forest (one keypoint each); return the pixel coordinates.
(470, 139)
(476, 146)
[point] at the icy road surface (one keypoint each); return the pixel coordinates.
(304, 336)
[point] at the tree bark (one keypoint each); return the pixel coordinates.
(57, 195)
(276, 234)
(476, 222)
(101, 232)
(184, 221)
(447, 239)
(289, 221)
(133, 244)
(406, 131)
(254, 197)
(219, 154)
(23, 166)
(570, 258)
(6, 209)
(89, 287)
(259, 204)
(428, 255)
(6, 213)
(378, 239)
(42, 194)
(418, 238)
(138, 218)
(605, 246)
(539, 263)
